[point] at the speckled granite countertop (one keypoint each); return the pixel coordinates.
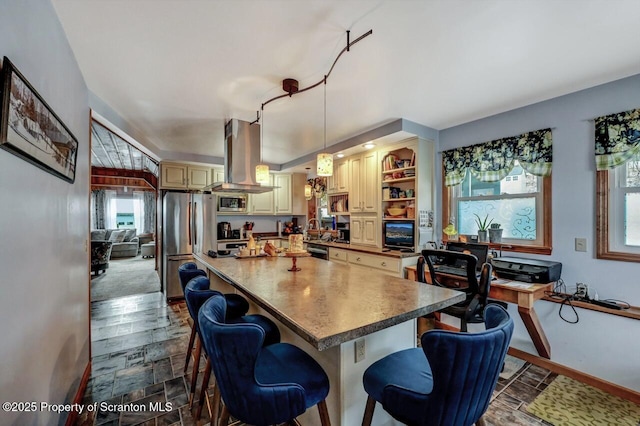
(327, 303)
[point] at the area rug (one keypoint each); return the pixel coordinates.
(567, 402)
(511, 366)
(124, 277)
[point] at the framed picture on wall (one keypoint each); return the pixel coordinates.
(31, 130)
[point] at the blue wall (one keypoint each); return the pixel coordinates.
(600, 344)
(44, 228)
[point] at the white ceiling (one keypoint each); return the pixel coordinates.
(177, 69)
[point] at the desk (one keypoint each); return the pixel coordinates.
(523, 297)
(324, 308)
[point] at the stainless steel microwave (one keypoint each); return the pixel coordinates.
(232, 203)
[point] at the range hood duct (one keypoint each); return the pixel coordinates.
(241, 155)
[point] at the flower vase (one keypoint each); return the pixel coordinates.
(495, 235)
(482, 236)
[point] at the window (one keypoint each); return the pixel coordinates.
(520, 207)
(617, 149)
(618, 212)
(507, 180)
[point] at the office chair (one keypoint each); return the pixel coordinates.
(477, 290)
(260, 385)
(196, 293)
(238, 305)
(447, 382)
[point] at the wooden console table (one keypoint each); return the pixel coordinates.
(506, 291)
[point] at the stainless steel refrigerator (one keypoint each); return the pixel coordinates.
(189, 223)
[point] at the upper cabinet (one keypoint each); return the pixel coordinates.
(184, 176)
(218, 175)
(262, 203)
(363, 183)
(287, 198)
(339, 182)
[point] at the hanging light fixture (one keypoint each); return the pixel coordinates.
(308, 189)
(324, 161)
(262, 170)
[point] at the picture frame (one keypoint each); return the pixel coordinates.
(31, 130)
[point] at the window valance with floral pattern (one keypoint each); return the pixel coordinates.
(617, 138)
(492, 161)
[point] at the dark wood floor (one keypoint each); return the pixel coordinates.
(139, 345)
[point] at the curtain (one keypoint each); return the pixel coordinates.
(138, 209)
(492, 161)
(111, 209)
(617, 138)
(149, 212)
(97, 209)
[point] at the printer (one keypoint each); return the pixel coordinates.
(527, 270)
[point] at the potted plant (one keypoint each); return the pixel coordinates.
(483, 226)
(495, 233)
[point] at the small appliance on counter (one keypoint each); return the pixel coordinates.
(224, 231)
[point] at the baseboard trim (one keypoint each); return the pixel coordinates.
(73, 415)
(588, 379)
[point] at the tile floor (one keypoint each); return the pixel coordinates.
(139, 344)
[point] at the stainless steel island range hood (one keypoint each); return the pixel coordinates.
(241, 155)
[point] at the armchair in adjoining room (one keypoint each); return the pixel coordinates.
(100, 254)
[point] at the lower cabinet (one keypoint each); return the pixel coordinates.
(365, 230)
(383, 264)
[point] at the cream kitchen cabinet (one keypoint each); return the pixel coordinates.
(282, 194)
(339, 181)
(365, 230)
(338, 255)
(384, 264)
(218, 175)
(287, 198)
(262, 203)
(184, 176)
(363, 183)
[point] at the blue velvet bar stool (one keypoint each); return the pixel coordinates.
(238, 305)
(260, 385)
(447, 382)
(197, 292)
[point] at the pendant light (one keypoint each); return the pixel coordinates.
(324, 161)
(262, 170)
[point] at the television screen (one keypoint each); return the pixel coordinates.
(399, 234)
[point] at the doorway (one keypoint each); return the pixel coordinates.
(123, 200)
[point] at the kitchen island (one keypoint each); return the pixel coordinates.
(328, 309)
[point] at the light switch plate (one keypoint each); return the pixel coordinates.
(581, 244)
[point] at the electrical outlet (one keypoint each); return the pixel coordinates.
(359, 345)
(581, 244)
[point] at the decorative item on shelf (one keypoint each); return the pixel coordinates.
(495, 233)
(483, 226)
(397, 211)
(409, 193)
(411, 210)
(389, 162)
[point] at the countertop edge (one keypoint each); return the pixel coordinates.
(336, 339)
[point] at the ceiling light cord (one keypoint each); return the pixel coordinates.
(325, 112)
